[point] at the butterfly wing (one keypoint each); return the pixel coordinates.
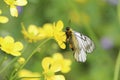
(83, 45)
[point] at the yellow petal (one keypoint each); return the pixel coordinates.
(3, 19)
(57, 56)
(27, 73)
(65, 69)
(33, 29)
(48, 28)
(62, 45)
(66, 66)
(13, 11)
(1, 40)
(15, 53)
(59, 77)
(20, 2)
(9, 2)
(55, 67)
(59, 25)
(9, 39)
(46, 62)
(18, 46)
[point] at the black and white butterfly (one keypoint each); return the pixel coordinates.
(80, 44)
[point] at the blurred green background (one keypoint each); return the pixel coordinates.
(97, 19)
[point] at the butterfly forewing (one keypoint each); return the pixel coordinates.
(87, 43)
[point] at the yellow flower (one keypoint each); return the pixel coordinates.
(21, 60)
(58, 34)
(65, 63)
(13, 4)
(55, 31)
(53, 65)
(3, 19)
(32, 34)
(8, 45)
(31, 75)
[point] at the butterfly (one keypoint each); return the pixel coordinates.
(79, 43)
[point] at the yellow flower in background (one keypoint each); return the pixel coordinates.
(81, 1)
(79, 18)
(21, 60)
(58, 34)
(55, 64)
(13, 6)
(47, 30)
(3, 19)
(31, 75)
(32, 34)
(8, 45)
(85, 18)
(75, 17)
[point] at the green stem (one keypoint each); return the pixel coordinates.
(8, 65)
(34, 52)
(31, 56)
(4, 58)
(117, 67)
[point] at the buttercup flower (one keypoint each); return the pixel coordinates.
(55, 31)
(53, 65)
(13, 6)
(58, 34)
(31, 75)
(32, 34)
(8, 45)
(3, 19)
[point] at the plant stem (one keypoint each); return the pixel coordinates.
(33, 52)
(118, 10)
(117, 67)
(4, 58)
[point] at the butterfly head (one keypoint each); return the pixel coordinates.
(68, 32)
